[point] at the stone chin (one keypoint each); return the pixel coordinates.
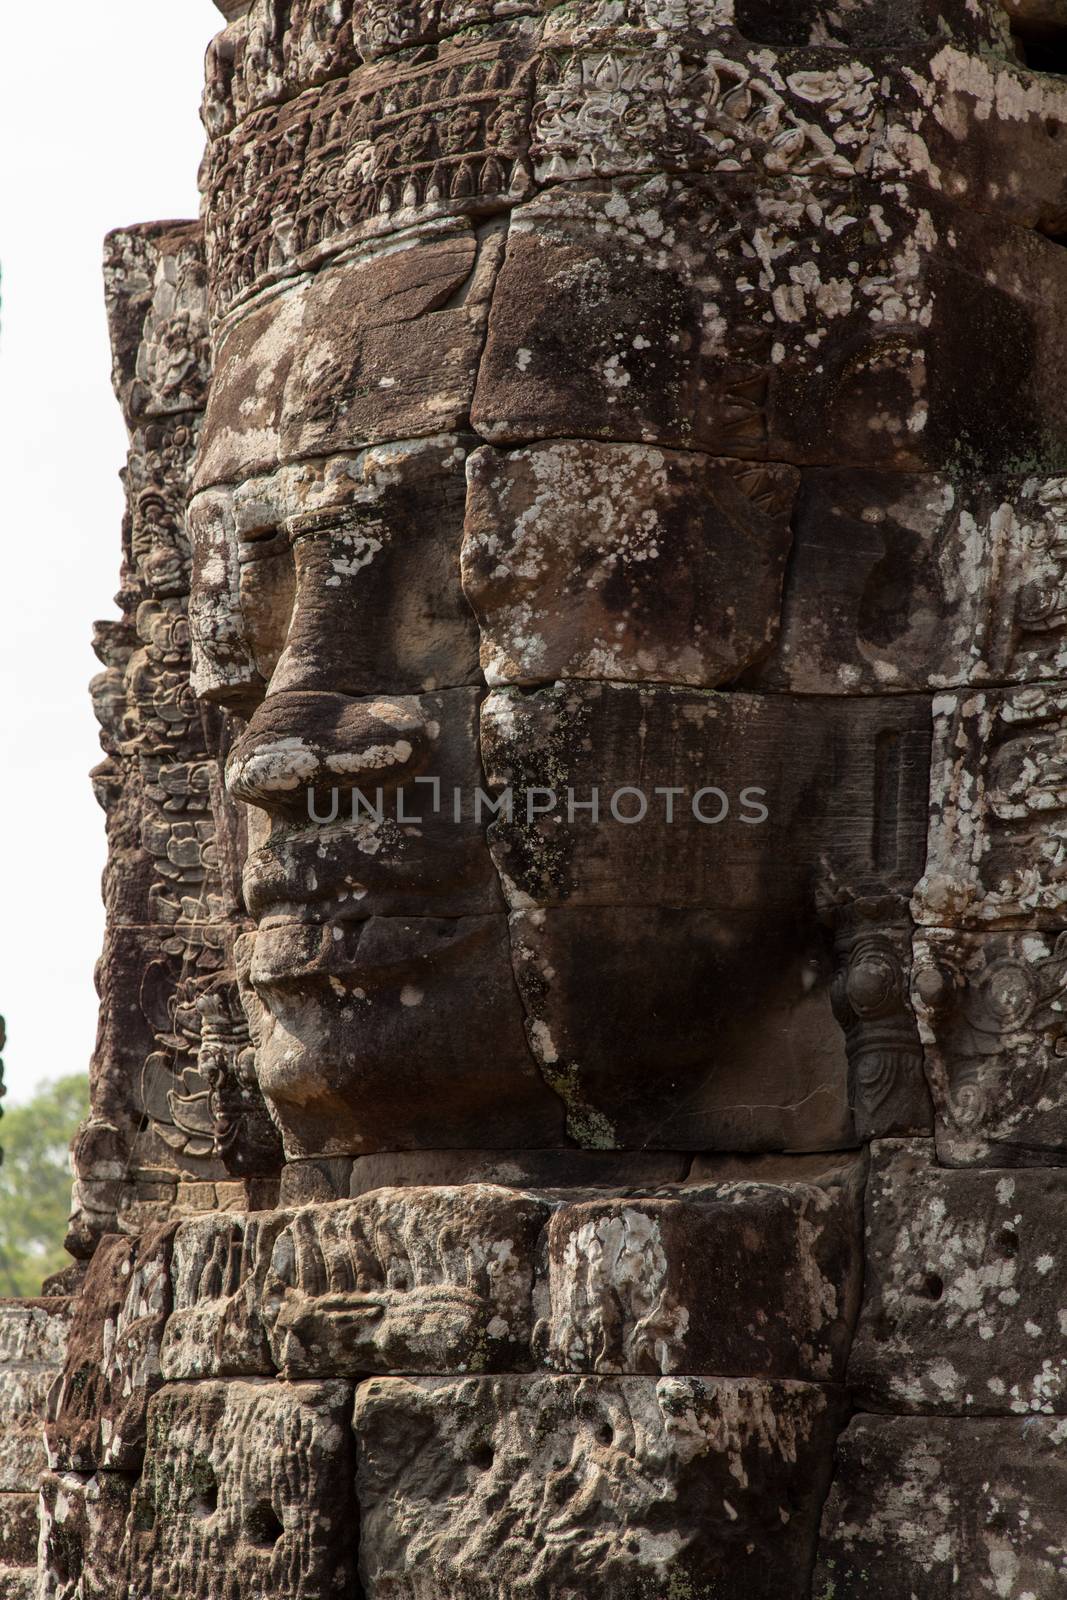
(396, 1033)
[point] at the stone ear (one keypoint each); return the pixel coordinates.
(157, 989)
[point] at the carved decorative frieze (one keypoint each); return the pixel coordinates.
(998, 818)
(385, 149)
(993, 1017)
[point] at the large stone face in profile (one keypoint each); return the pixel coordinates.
(609, 1489)
(634, 439)
(231, 1470)
(945, 1508)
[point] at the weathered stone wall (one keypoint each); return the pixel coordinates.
(649, 396)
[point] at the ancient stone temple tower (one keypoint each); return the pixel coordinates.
(580, 1104)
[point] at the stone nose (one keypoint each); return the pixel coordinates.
(299, 742)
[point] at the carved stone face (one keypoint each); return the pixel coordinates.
(487, 506)
(405, 622)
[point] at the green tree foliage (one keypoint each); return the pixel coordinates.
(35, 1183)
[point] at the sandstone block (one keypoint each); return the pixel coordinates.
(302, 575)
(364, 792)
(406, 1280)
(330, 365)
(218, 1271)
(33, 1333)
(964, 1289)
(627, 1287)
(762, 320)
(727, 759)
(718, 903)
(96, 1412)
(686, 1048)
(944, 1508)
(619, 562)
(553, 1488)
(83, 1531)
(231, 1473)
(563, 1169)
(33, 1337)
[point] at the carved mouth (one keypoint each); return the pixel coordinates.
(352, 871)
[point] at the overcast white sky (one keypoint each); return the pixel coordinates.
(98, 128)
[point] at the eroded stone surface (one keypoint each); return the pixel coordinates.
(96, 1412)
(218, 1272)
(559, 1487)
(416, 1280)
(628, 1282)
(940, 1507)
(83, 1530)
(965, 1297)
(33, 1339)
(221, 1511)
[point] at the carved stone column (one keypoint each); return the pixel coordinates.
(615, 755)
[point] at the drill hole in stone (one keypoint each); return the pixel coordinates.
(1042, 51)
(483, 1457)
(1007, 1242)
(207, 1497)
(263, 1525)
(933, 1286)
